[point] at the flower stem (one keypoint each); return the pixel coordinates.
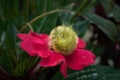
(30, 27)
(82, 5)
(91, 4)
(44, 14)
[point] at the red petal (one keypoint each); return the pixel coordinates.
(22, 36)
(42, 49)
(79, 59)
(81, 44)
(63, 69)
(53, 60)
(35, 44)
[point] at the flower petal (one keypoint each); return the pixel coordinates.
(63, 69)
(53, 60)
(81, 44)
(22, 36)
(41, 49)
(79, 59)
(35, 44)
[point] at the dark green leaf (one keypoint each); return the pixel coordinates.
(47, 24)
(107, 5)
(66, 17)
(6, 62)
(99, 50)
(116, 12)
(81, 27)
(10, 40)
(95, 73)
(105, 25)
(8, 53)
(25, 66)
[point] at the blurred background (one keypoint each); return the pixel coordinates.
(95, 21)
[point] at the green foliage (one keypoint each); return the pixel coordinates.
(116, 11)
(25, 66)
(10, 40)
(66, 17)
(81, 27)
(47, 23)
(108, 27)
(107, 5)
(18, 16)
(94, 72)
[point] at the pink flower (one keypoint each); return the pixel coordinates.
(39, 44)
(35, 44)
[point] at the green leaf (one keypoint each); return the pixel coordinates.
(6, 62)
(47, 24)
(58, 76)
(10, 40)
(9, 12)
(81, 27)
(105, 25)
(25, 66)
(66, 17)
(8, 58)
(107, 5)
(116, 12)
(95, 72)
(99, 50)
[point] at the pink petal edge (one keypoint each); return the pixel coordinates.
(22, 36)
(81, 44)
(35, 44)
(79, 59)
(52, 60)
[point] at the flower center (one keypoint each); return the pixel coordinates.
(63, 40)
